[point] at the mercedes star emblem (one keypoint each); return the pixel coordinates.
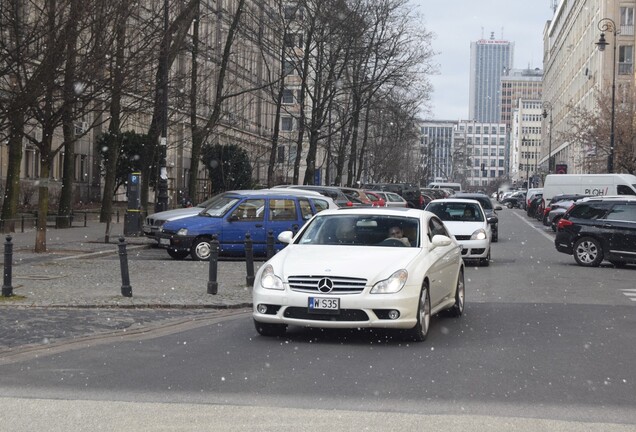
(325, 285)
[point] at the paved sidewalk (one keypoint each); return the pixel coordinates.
(80, 269)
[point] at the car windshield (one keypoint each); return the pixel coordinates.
(362, 230)
(456, 211)
(220, 205)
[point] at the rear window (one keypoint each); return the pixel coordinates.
(588, 211)
(623, 212)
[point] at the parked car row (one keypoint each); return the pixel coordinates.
(231, 215)
(599, 228)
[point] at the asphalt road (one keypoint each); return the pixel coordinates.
(543, 345)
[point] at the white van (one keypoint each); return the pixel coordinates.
(588, 184)
(457, 187)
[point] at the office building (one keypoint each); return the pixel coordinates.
(488, 60)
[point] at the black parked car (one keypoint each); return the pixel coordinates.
(491, 212)
(533, 206)
(515, 200)
(597, 229)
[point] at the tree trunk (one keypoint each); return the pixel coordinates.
(68, 129)
(12, 184)
(110, 178)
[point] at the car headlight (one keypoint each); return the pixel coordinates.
(182, 232)
(393, 284)
(269, 280)
(480, 234)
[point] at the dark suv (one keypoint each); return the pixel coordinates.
(599, 228)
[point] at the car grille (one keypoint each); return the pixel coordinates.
(341, 285)
(344, 315)
(462, 237)
(154, 222)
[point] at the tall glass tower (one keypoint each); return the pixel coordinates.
(489, 59)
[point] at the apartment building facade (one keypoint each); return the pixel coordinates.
(576, 74)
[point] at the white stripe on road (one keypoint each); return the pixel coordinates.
(543, 233)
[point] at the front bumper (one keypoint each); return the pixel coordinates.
(176, 242)
(363, 310)
(474, 249)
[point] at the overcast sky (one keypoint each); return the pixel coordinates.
(457, 23)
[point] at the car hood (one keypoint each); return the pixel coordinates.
(372, 263)
(176, 213)
(463, 228)
(192, 223)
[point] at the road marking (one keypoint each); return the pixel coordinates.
(630, 294)
(542, 232)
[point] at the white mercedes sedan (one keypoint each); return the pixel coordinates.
(359, 268)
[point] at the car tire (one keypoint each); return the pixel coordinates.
(271, 330)
(495, 236)
(485, 262)
(178, 255)
(588, 252)
(460, 294)
(509, 205)
(420, 331)
(201, 250)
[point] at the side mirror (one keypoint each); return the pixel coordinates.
(440, 240)
(233, 218)
(286, 237)
(493, 220)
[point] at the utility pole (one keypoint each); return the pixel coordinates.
(162, 181)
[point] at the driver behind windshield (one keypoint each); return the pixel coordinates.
(395, 232)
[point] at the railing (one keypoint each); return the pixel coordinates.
(76, 219)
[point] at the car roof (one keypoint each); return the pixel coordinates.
(610, 198)
(455, 200)
(389, 211)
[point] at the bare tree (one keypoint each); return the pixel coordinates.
(589, 132)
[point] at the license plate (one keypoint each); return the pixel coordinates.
(324, 305)
(164, 241)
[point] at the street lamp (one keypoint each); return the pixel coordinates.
(547, 106)
(162, 182)
(605, 25)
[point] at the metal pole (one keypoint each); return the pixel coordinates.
(550, 145)
(126, 289)
(162, 182)
(270, 244)
(213, 285)
(7, 288)
(610, 157)
(249, 259)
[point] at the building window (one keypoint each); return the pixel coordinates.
(625, 59)
(627, 21)
(280, 156)
(289, 67)
(287, 123)
(288, 96)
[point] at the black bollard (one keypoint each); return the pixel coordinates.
(213, 285)
(22, 223)
(7, 288)
(85, 218)
(126, 289)
(270, 244)
(249, 259)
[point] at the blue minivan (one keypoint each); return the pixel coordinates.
(231, 215)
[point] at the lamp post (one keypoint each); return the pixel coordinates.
(525, 141)
(162, 182)
(547, 106)
(608, 25)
